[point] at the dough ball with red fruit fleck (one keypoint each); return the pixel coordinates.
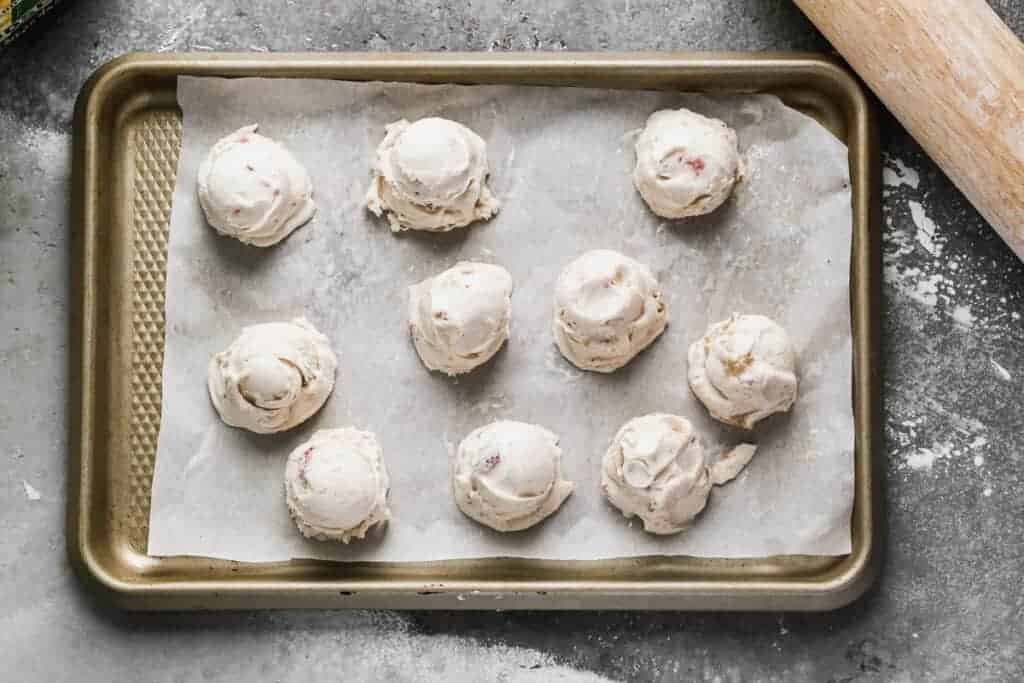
(686, 164)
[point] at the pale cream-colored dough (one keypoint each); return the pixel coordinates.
(608, 308)
(744, 369)
(431, 175)
(273, 377)
(252, 188)
(508, 475)
(686, 164)
(656, 469)
(336, 485)
(460, 318)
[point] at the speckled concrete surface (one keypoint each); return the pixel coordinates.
(949, 606)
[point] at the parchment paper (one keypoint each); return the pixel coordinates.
(560, 161)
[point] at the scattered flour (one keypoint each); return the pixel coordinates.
(439, 657)
(962, 316)
(172, 38)
(1001, 372)
(926, 290)
(356, 645)
(921, 265)
(965, 440)
(898, 243)
(926, 229)
(30, 491)
(924, 458)
(48, 148)
(913, 284)
(898, 173)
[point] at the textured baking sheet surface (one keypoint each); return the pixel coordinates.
(782, 248)
(157, 141)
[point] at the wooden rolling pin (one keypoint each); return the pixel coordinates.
(953, 74)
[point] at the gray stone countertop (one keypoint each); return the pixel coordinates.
(950, 602)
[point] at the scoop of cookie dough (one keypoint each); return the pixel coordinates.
(431, 175)
(743, 370)
(273, 377)
(608, 308)
(655, 469)
(336, 485)
(686, 164)
(252, 188)
(508, 475)
(460, 318)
